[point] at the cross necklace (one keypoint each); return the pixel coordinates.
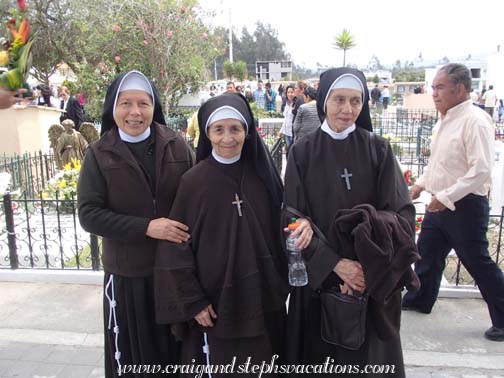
(238, 203)
(346, 176)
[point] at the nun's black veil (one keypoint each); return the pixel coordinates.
(254, 149)
(327, 78)
(108, 108)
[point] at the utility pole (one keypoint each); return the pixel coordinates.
(230, 38)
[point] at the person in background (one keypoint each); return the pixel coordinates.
(459, 177)
(230, 87)
(307, 119)
(286, 129)
(260, 95)
(71, 108)
(271, 105)
(385, 94)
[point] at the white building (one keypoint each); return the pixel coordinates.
(274, 70)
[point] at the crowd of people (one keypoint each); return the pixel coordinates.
(194, 245)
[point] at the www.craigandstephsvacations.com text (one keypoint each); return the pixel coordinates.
(199, 370)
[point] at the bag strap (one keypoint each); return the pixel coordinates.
(372, 147)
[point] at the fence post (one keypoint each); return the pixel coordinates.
(95, 252)
(11, 234)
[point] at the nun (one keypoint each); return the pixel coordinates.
(127, 185)
(225, 288)
(337, 167)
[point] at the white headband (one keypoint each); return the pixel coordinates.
(134, 80)
(225, 112)
(346, 81)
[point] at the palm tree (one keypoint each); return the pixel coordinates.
(344, 41)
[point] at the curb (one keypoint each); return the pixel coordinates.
(79, 277)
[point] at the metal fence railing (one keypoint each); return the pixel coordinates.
(45, 234)
(29, 172)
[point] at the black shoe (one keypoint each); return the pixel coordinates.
(412, 308)
(495, 334)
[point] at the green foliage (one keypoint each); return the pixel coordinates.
(376, 79)
(412, 74)
(240, 70)
(228, 69)
(165, 39)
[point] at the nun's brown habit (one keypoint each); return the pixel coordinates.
(317, 185)
(232, 262)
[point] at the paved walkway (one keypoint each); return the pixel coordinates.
(53, 330)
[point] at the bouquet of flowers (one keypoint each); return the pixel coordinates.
(17, 47)
(64, 182)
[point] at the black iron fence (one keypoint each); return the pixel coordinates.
(29, 172)
(45, 234)
(41, 233)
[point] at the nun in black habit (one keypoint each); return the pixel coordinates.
(226, 287)
(340, 166)
(127, 184)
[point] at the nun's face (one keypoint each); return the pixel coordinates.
(227, 137)
(342, 108)
(134, 112)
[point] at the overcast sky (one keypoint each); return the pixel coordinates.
(390, 29)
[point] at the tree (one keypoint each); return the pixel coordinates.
(240, 70)
(344, 41)
(165, 39)
(228, 69)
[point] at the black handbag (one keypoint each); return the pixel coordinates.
(343, 318)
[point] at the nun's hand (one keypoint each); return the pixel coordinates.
(167, 229)
(204, 317)
(351, 273)
(304, 231)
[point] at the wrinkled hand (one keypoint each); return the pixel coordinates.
(415, 191)
(351, 273)
(304, 231)
(204, 318)
(434, 206)
(167, 229)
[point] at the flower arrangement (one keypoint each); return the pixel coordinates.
(17, 47)
(64, 183)
(418, 224)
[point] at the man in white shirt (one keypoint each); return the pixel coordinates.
(459, 177)
(490, 98)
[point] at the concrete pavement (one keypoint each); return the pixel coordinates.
(51, 327)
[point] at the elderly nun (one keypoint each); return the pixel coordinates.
(225, 288)
(126, 189)
(336, 168)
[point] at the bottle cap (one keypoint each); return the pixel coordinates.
(293, 226)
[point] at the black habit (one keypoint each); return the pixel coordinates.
(324, 176)
(233, 260)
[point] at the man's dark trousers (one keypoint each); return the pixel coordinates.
(464, 230)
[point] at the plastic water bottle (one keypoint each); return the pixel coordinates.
(297, 268)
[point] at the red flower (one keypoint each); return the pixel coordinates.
(117, 58)
(169, 33)
(22, 5)
(407, 177)
(116, 28)
(145, 42)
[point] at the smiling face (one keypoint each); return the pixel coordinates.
(342, 108)
(134, 112)
(227, 137)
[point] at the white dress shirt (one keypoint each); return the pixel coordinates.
(462, 153)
